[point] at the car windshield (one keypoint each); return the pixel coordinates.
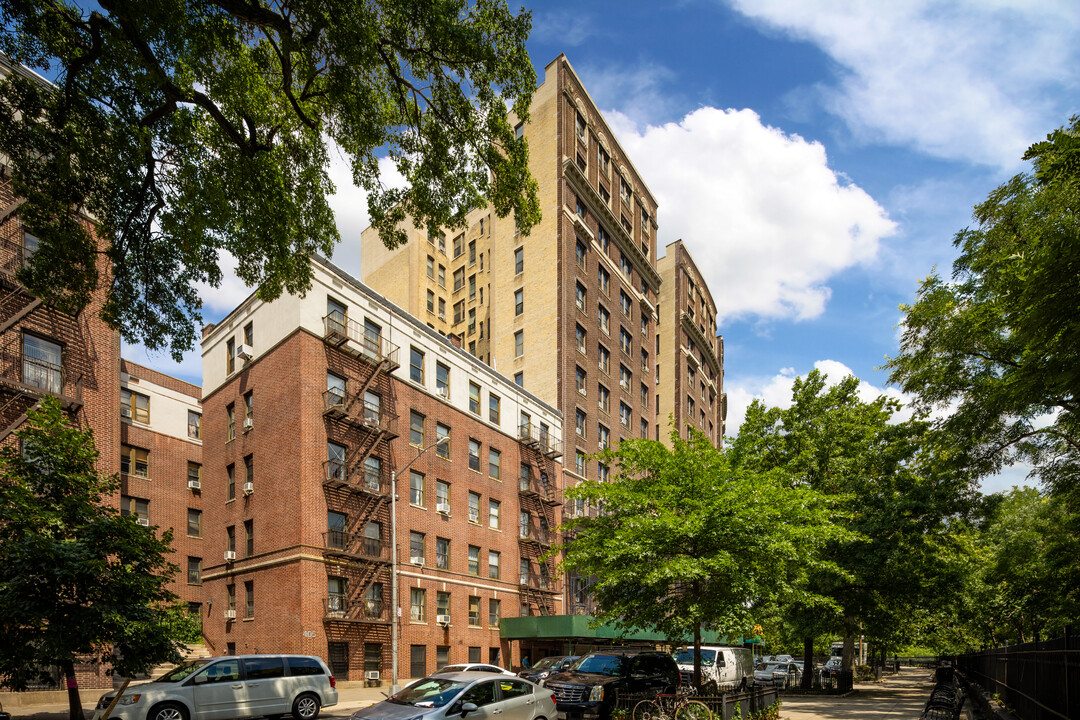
(182, 672)
(450, 669)
(546, 663)
(686, 657)
(429, 692)
(599, 664)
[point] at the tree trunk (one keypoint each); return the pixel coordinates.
(75, 711)
(849, 653)
(697, 657)
(808, 663)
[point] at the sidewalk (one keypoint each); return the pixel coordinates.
(896, 697)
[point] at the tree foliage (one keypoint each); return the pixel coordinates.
(77, 580)
(185, 128)
(684, 540)
(999, 344)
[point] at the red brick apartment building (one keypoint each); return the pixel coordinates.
(309, 407)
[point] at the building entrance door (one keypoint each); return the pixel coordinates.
(339, 660)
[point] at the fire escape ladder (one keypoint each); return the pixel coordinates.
(18, 421)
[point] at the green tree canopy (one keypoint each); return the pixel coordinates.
(77, 580)
(683, 540)
(185, 128)
(998, 345)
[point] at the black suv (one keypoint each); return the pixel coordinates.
(588, 689)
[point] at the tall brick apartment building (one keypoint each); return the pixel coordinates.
(309, 405)
(689, 353)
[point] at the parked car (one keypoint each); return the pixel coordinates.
(832, 666)
(589, 688)
(471, 667)
(779, 674)
(722, 668)
(471, 695)
(231, 687)
(547, 666)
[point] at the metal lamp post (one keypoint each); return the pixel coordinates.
(395, 610)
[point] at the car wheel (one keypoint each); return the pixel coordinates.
(168, 711)
(306, 707)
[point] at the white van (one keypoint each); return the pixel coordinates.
(722, 668)
(230, 687)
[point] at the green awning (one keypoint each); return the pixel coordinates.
(584, 627)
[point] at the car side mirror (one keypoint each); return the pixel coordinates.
(468, 708)
(199, 679)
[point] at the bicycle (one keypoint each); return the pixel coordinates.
(671, 707)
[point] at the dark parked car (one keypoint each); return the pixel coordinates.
(548, 666)
(587, 691)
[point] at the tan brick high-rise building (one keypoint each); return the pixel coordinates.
(689, 353)
(567, 311)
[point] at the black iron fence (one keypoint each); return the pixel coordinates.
(724, 707)
(1038, 680)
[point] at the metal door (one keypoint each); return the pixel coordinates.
(339, 660)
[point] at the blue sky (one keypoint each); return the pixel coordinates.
(817, 157)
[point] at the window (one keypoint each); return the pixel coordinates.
(579, 423)
(249, 410)
(494, 412)
(249, 538)
(417, 605)
(135, 461)
(416, 547)
(442, 553)
(442, 607)
(605, 358)
(519, 343)
(472, 287)
(644, 360)
(459, 279)
(230, 422)
(474, 398)
(474, 455)
(442, 276)
(579, 338)
(604, 437)
(194, 571)
(474, 560)
(580, 463)
(644, 395)
(493, 514)
(459, 311)
(603, 238)
(249, 599)
(644, 223)
(624, 414)
(431, 302)
(431, 267)
(519, 379)
(474, 507)
(230, 356)
(519, 261)
(194, 523)
(579, 247)
(624, 300)
(579, 297)
(230, 482)
(604, 318)
(472, 251)
(442, 379)
(194, 425)
(135, 406)
(249, 472)
(416, 428)
(579, 126)
(249, 334)
(416, 488)
(644, 325)
(442, 449)
(493, 565)
(442, 309)
(625, 341)
(519, 302)
(690, 407)
(580, 379)
(605, 397)
(459, 246)
(230, 538)
(442, 493)
(335, 461)
(230, 599)
(624, 191)
(625, 376)
(519, 130)
(605, 194)
(602, 471)
(474, 611)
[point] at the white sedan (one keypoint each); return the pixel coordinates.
(472, 667)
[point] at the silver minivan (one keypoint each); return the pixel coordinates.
(231, 687)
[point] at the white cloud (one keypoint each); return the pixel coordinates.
(350, 208)
(646, 93)
(975, 80)
(765, 218)
(563, 27)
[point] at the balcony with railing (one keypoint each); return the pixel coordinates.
(539, 487)
(342, 473)
(353, 338)
(538, 581)
(337, 404)
(342, 608)
(342, 543)
(36, 376)
(541, 438)
(534, 531)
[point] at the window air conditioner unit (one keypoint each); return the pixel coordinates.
(444, 392)
(145, 522)
(245, 352)
(230, 555)
(416, 560)
(194, 485)
(443, 620)
(248, 423)
(443, 508)
(230, 614)
(125, 411)
(371, 675)
(249, 487)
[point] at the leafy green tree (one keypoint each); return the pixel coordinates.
(683, 540)
(998, 345)
(78, 581)
(899, 555)
(185, 128)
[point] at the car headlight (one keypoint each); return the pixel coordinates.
(543, 675)
(129, 699)
(596, 694)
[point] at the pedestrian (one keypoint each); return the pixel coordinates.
(525, 663)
